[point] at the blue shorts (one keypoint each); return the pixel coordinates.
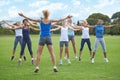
(62, 43)
(45, 40)
(70, 37)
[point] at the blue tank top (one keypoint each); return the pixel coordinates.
(26, 33)
(45, 29)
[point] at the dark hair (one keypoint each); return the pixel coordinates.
(24, 20)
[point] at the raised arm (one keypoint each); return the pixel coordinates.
(55, 29)
(35, 20)
(33, 28)
(109, 26)
(77, 29)
(59, 20)
(91, 27)
(9, 24)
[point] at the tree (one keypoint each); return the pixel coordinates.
(116, 17)
(92, 19)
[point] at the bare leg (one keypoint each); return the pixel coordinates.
(39, 52)
(67, 52)
(105, 56)
(61, 50)
(93, 55)
(51, 51)
(74, 47)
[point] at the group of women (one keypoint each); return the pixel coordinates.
(67, 34)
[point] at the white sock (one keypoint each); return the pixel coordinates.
(20, 59)
(55, 67)
(32, 58)
(37, 67)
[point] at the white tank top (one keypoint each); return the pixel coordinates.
(85, 33)
(18, 32)
(64, 34)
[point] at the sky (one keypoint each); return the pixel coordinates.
(79, 9)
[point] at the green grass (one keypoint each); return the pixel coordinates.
(84, 70)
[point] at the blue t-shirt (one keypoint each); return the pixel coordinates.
(45, 29)
(99, 30)
(70, 32)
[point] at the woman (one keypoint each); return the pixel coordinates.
(18, 38)
(26, 40)
(45, 37)
(63, 40)
(71, 36)
(99, 32)
(85, 38)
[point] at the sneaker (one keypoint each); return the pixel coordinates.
(55, 69)
(36, 70)
(69, 62)
(32, 61)
(106, 60)
(65, 57)
(20, 61)
(24, 58)
(75, 57)
(60, 62)
(80, 59)
(12, 58)
(92, 60)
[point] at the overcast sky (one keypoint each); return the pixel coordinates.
(80, 9)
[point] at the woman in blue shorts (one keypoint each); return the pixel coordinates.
(45, 37)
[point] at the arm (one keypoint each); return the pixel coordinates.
(109, 26)
(36, 29)
(58, 27)
(59, 20)
(35, 20)
(77, 29)
(9, 24)
(91, 27)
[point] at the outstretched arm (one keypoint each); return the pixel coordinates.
(8, 24)
(77, 29)
(13, 27)
(109, 26)
(55, 29)
(35, 20)
(59, 20)
(33, 28)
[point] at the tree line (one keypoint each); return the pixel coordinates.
(92, 20)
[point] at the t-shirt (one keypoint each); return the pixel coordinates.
(99, 30)
(64, 34)
(71, 32)
(85, 33)
(18, 32)
(45, 29)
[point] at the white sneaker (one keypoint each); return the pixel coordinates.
(75, 57)
(106, 60)
(65, 57)
(69, 62)
(36, 69)
(60, 62)
(92, 60)
(20, 61)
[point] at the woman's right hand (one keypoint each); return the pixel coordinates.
(21, 14)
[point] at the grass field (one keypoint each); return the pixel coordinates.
(84, 70)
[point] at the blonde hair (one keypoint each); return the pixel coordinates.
(46, 13)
